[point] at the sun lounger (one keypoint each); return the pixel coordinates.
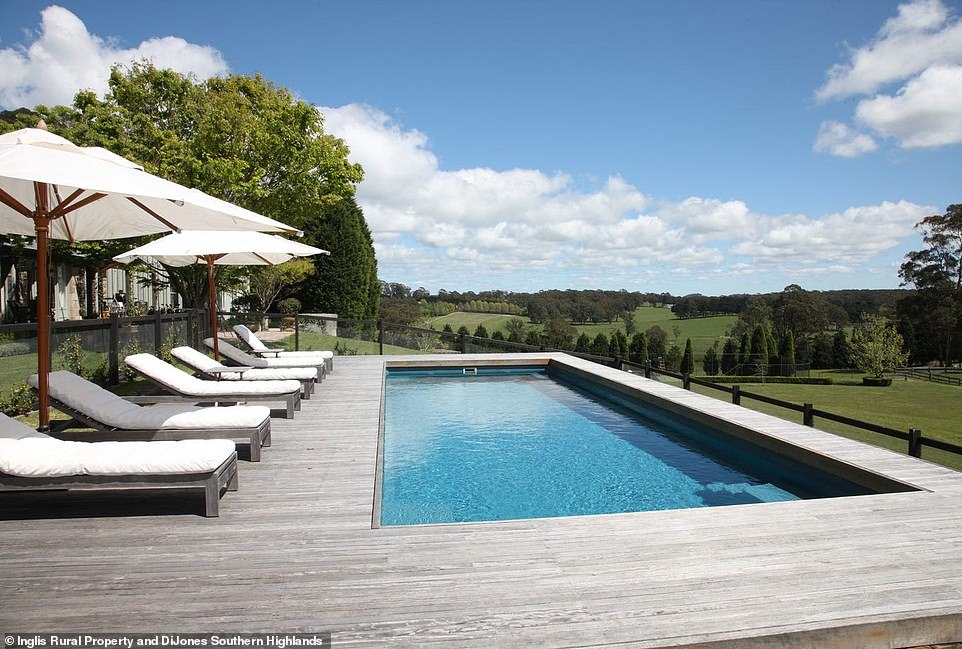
(114, 418)
(260, 349)
(184, 387)
(239, 357)
(32, 461)
(204, 364)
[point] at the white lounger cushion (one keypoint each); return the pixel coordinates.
(229, 351)
(255, 343)
(203, 362)
(182, 382)
(105, 406)
(12, 429)
(48, 457)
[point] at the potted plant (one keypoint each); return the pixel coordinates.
(289, 306)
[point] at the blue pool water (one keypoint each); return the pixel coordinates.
(521, 444)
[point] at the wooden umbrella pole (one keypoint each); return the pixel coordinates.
(213, 305)
(41, 220)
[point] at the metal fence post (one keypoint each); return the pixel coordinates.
(464, 342)
(808, 417)
(647, 368)
(380, 336)
(686, 381)
(113, 351)
(915, 442)
(158, 334)
(736, 395)
(297, 332)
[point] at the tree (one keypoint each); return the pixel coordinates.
(935, 310)
(673, 358)
(710, 362)
(583, 344)
(341, 283)
(688, 359)
(760, 349)
(729, 357)
(745, 352)
(787, 354)
(628, 317)
(657, 342)
(559, 333)
(515, 328)
(877, 346)
(841, 350)
(599, 346)
(480, 331)
(266, 283)
(239, 138)
(638, 349)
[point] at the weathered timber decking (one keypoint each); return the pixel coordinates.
(294, 550)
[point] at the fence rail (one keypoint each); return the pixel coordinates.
(913, 436)
(943, 375)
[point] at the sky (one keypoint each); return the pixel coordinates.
(690, 147)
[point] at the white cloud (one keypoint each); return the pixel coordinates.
(840, 140)
(482, 228)
(926, 113)
(65, 58)
(920, 48)
(920, 36)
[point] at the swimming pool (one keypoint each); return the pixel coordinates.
(495, 443)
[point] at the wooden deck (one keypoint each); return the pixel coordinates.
(294, 550)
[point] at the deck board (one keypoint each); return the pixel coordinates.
(294, 549)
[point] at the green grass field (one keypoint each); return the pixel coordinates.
(702, 331)
(935, 409)
(491, 321)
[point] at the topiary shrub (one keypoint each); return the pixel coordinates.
(877, 381)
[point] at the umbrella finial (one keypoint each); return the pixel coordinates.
(42, 125)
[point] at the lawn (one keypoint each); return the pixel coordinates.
(491, 321)
(702, 331)
(935, 409)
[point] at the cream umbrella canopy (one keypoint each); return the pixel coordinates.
(50, 187)
(213, 248)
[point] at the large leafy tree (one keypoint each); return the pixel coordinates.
(346, 282)
(932, 316)
(240, 138)
(877, 346)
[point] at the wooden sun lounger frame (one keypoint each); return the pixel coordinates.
(275, 352)
(291, 400)
(255, 436)
(212, 482)
(307, 385)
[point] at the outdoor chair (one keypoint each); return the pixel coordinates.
(181, 386)
(235, 355)
(32, 461)
(259, 348)
(114, 418)
(204, 364)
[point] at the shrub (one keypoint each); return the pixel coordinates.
(14, 349)
(289, 306)
(72, 355)
(19, 402)
(877, 381)
(132, 347)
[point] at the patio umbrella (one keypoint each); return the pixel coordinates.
(213, 248)
(50, 187)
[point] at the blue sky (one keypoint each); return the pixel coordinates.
(701, 146)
